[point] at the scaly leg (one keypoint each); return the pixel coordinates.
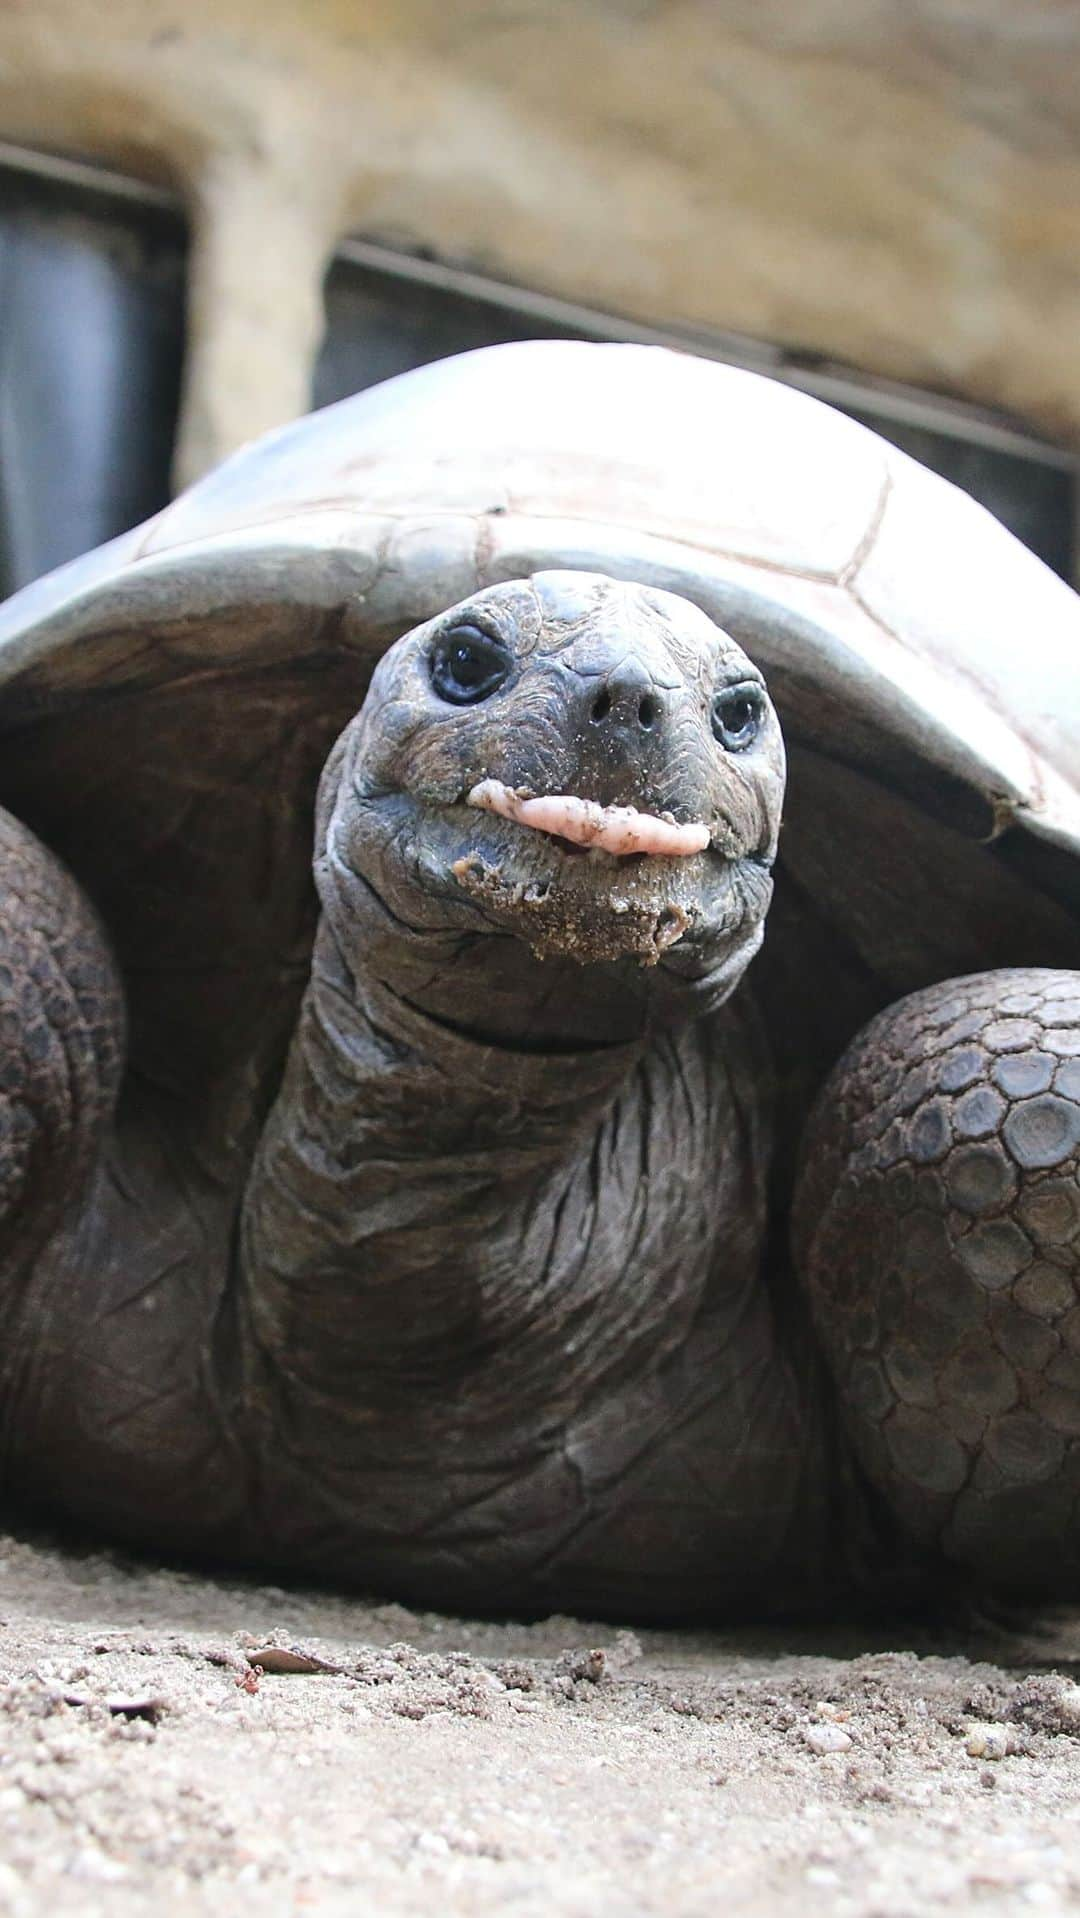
(938, 1232)
(111, 1273)
(61, 1042)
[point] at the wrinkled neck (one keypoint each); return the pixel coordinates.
(455, 1257)
(397, 1154)
(375, 1060)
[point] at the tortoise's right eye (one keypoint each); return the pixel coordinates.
(468, 665)
(737, 713)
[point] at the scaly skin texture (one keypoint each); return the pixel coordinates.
(61, 1041)
(506, 1331)
(508, 1337)
(498, 1309)
(61, 1034)
(939, 1215)
(112, 1271)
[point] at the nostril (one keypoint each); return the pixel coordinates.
(648, 712)
(601, 707)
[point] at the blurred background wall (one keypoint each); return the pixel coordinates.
(215, 213)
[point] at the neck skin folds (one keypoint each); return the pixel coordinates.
(429, 1209)
(441, 1220)
(471, 1275)
(390, 1213)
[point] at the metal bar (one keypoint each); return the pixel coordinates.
(957, 419)
(885, 400)
(88, 177)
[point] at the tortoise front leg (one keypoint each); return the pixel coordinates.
(111, 1274)
(61, 1040)
(938, 1232)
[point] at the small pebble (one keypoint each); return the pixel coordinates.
(987, 1741)
(822, 1875)
(433, 1843)
(96, 1867)
(826, 1738)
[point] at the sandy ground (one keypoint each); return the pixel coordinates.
(565, 1769)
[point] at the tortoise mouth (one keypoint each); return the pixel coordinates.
(594, 883)
(575, 879)
(582, 825)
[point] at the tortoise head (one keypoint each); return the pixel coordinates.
(590, 770)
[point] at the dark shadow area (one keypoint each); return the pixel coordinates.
(1016, 1639)
(378, 325)
(91, 344)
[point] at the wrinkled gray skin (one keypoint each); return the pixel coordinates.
(492, 1313)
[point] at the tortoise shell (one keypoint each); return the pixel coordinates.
(167, 702)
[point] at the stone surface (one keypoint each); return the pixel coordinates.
(899, 188)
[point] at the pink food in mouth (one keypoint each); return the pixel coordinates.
(615, 829)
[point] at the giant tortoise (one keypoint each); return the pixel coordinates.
(443, 1210)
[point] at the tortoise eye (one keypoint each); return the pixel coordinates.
(737, 714)
(468, 665)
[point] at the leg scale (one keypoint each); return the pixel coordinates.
(938, 1232)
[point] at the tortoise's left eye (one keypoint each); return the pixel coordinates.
(468, 665)
(737, 713)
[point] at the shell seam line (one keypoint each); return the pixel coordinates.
(972, 687)
(866, 544)
(817, 575)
